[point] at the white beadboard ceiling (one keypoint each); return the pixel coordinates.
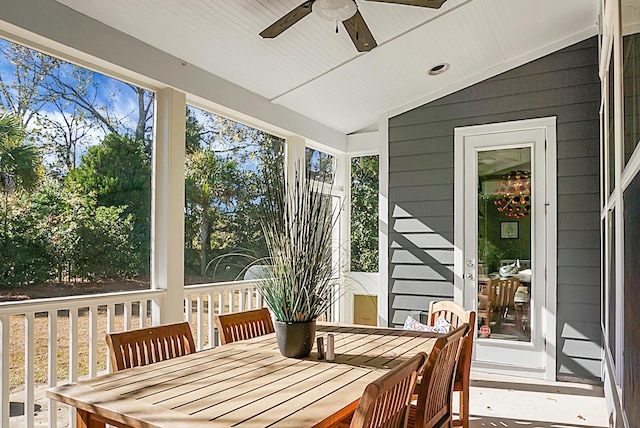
(318, 73)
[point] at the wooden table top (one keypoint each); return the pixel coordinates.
(247, 384)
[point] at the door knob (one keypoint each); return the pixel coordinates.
(469, 276)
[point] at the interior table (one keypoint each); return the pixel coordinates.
(245, 384)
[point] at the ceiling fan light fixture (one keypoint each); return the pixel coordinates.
(335, 10)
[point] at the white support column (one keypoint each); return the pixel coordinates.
(167, 224)
(294, 156)
(383, 223)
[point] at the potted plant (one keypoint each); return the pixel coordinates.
(297, 221)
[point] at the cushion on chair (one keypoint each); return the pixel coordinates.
(440, 326)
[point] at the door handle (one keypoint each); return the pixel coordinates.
(469, 276)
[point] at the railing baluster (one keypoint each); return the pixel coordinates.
(5, 322)
(200, 321)
(241, 300)
(210, 312)
(111, 312)
(93, 341)
(187, 308)
(53, 365)
(142, 313)
(29, 364)
(127, 316)
(73, 355)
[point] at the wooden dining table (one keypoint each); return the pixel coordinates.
(245, 384)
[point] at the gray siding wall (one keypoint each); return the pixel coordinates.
(564, 84)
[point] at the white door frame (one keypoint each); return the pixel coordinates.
(549, 318)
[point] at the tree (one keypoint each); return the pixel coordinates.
(21, 92)
(211, 186)
(364, 214)
(118, 173)
(225, 166)
(19, 162)
(69, 108)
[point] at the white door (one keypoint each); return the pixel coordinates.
(505, 210)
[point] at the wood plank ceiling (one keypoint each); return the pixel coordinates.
(318, 73)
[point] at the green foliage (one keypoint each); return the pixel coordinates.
(95, 222)
(56, 234)
(19, 162)
(118, 174)
(364, 214)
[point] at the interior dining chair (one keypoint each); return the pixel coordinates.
(385, 401)
(456, 315)
(243, 325)
(433, 402)
(499, 299)
(149, 345)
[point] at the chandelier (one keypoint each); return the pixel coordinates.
(513, 194)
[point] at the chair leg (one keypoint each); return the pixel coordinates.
(464, 406)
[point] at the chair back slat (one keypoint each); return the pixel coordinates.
(149, 345)
(436, 387)
(243, 325)
(385, 402)
(455, 314)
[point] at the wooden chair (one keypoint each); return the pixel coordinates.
(149, 345)
(457, 316)
(385, 402)
(243, 325)
(433, 404)
(501, 296)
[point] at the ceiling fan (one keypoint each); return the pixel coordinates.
(345, 11)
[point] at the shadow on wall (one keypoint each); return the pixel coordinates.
(421, 264)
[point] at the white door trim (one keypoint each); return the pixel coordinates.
(549, 321)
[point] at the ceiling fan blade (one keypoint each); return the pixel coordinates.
(433, 4)
(360, 33)
(287, 21)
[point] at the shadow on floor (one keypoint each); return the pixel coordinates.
(17, 408)
(556, 388)
(498, 422)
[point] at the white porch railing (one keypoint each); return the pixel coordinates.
(62, 339)
(223, 298)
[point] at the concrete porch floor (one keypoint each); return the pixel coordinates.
(506, 401)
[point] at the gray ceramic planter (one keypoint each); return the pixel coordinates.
(295, 340)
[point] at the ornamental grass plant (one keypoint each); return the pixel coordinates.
(297, 221)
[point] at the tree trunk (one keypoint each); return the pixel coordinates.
(204, 240)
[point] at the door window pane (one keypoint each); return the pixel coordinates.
(504, 243)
